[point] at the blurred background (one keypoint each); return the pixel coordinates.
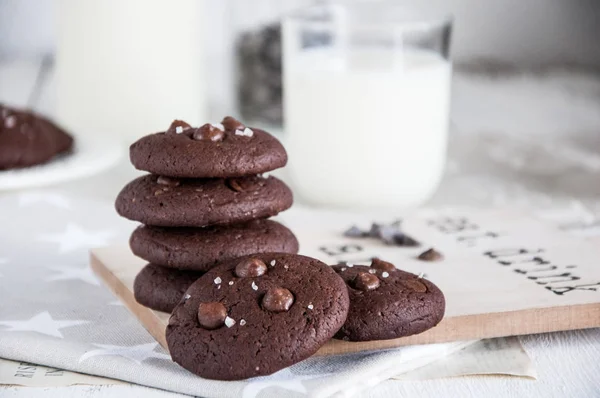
(525, 93)
(511, 33)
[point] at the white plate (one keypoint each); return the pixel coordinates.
(91, 155)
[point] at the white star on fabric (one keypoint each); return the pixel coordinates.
(284, 379)
(70, 273)
(74, 237)
(40, 323)
(51, 198)
(136, 353)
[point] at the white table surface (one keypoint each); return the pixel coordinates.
(567, 363)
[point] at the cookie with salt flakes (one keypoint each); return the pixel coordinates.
(200, 249)
(226, 149)
(168, 202)
(387, 303)
(255, 315)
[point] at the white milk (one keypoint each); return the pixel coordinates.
(129, 67)
(368, 132)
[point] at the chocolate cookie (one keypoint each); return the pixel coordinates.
(200, 249)
(386, 303)
(226, 149)
(161, 288)
(167, 202)
(27, 139)
(256, 315)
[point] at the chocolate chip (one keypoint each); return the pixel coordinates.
(178, 127)
(414, 285)
(211, 315)
(277, 299)
(250, 268)
(232, 124)
(234, 184)
(430, 255)
(208, 132)
(170, 182)
(382, 265)
(365, 281)
(391, 234)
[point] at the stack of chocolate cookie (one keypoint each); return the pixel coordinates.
(243, 303)
(206, 201)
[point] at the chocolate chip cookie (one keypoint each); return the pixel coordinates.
(387, 303)
(200, 249)
(161, 288)
(167, 202)
(226, 149)
(256, 315)
(27, 139)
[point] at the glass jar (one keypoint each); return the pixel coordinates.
(257, 59)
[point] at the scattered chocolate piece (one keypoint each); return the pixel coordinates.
(402, 239)
(232, 124)
(365, 281)
(211, 315)
(354, 232)
(178, 127)
(415, 285)
(382, 265)
(208, 132)
(375, 231)
(277, 299)
(389, 234)
(250, 268)
(431, 255)
(168, 181)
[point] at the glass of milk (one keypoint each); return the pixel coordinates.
(366, 103)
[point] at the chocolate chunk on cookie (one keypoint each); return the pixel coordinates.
(27, 139)
(161, 288)
(387, 303)
(226, 149)
(290, 307)
(200, 249)
(198, 203)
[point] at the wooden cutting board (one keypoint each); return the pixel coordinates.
(503, 273)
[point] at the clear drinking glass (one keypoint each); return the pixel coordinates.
(366, 103)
